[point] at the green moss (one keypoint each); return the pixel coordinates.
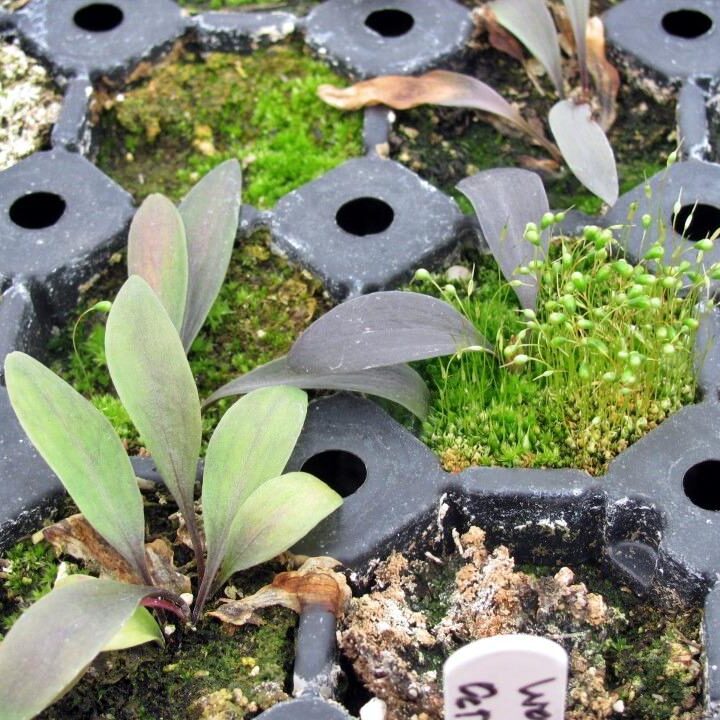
(149, 683)
(193, 113)
(649, 656)
(27, 573)
(563, 390)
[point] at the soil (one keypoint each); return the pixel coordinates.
(627, 659)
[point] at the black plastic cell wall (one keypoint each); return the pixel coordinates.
(653, 520)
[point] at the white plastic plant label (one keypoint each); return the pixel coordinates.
(507, 677)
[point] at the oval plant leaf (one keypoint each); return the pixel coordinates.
(157, 252)
(141, 627)
(380, 329)
(531, 23)
(210, 212)
(398, 383)
(251, 444)
(277, 515)
(585, 148)
(505, 201)
(579, 13)
(57, 638)
(151, 374)
(79, 444)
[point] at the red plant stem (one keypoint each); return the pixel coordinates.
(163, 599)
(197, 544)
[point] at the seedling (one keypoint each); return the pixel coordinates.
(251, 512)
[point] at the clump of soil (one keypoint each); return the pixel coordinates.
(419, 612)
(28, 105)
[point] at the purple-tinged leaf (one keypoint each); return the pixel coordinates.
(398, 383)
(251, 444)
(78, 442)
(531, 22)
(505, 201)
(278, 514)
(380, 329)
(157, 252)
(57, 638)
(152, 377)
(579, 13)
(210, 212)
(585, 148)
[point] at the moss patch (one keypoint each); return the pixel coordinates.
(166, 132)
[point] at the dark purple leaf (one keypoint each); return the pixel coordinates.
(578, 13)
(398, 383)
(380, 329)
(585, 148)
(505, 200)
(57, 638)
(530, 21)
(210, 212)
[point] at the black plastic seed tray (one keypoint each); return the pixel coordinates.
(367, 225)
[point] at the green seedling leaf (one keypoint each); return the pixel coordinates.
(398, 383)
(151, 374)
(157, 252)
(505, 200)
(278, 514)
(585, 148)
(57, 638)
(140, 627)
(381, 329)
(79, 444)
(210, 212)
(579, 13)
(531, 23)
(251, 444)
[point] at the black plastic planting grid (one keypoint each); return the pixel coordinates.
(653, 519)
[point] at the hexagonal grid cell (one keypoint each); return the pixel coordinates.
(682, 201)
(678, 38)
(60, 219)
(81, 37)
(381, 37)
(658, 497)
(365, 225)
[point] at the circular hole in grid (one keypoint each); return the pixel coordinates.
(98, 17)
(687, 24)
(704, 222)
(702, 484)
(37, 210)
(343, 471)
(389, 22)
(365, 216)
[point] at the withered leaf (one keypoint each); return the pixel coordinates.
(75, 536)
(162, 567)
(315, 584)
(604, 74)
(498, 36)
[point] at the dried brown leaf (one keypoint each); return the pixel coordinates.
(162, 567)
(498, 37)
(75, 536)
(315, 584)
(438, 87)
(604, 74)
